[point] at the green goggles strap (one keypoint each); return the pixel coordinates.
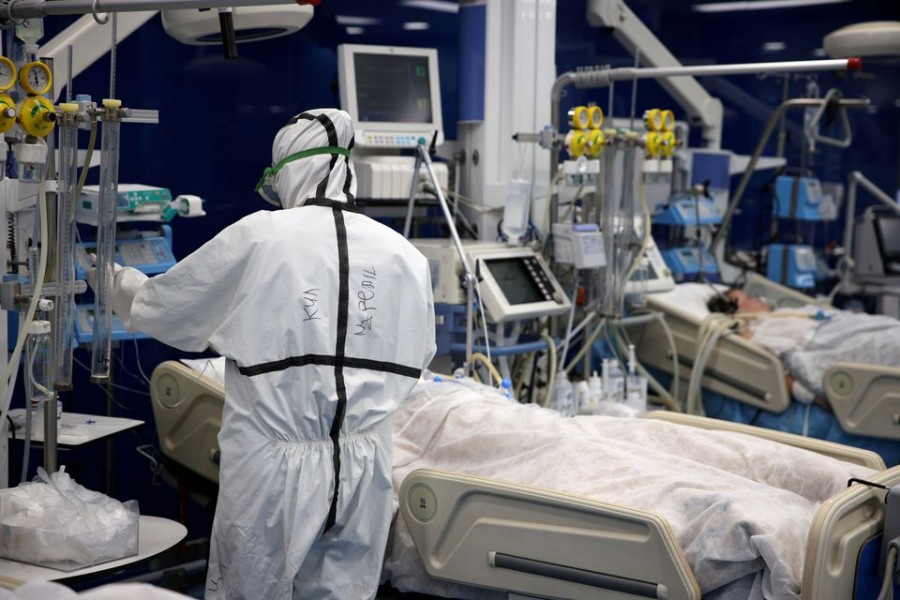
(297, 156)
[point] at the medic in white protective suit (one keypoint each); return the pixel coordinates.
(326, 318)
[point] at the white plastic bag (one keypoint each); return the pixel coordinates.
(58, 523)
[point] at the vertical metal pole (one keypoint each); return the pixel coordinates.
(51, 406)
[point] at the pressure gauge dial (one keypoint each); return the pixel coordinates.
(7, 73)
(595, 117)
(653, 120)
(35, 78)
(668, 120)
(578, 117)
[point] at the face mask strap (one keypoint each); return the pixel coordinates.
(271, 171)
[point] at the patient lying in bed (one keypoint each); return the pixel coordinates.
(740, 507)
(810, 339)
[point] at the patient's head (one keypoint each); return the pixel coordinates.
(736, 301)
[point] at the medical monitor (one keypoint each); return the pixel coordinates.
(514, 283)
(392, 93)
(887, 231)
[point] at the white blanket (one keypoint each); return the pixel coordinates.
(738, 505)
(808, 347)
(853, 337)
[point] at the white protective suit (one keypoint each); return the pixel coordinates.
(326, 320)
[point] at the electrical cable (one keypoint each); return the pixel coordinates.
(137, 357)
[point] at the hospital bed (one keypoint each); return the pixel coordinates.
(536, 542)
(865, 398)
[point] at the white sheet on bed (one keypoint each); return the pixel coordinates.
(736, 504)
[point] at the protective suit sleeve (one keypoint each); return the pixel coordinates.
(429, 348)
(186, 305)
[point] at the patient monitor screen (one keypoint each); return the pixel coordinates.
(889, 239)
(515, 281)
(393, 88)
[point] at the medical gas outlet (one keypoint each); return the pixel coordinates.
(36, 116)
(584, 144)
(659, 143)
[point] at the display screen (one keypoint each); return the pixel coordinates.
(392, 88)
(888, 231)
(515, 281)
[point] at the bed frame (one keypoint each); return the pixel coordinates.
(540, 543)
(865, 398)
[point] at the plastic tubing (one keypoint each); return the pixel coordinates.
(64, 313)
(106, 248)
(13, 364)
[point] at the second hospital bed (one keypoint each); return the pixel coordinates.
(482, 535)
(865, 398)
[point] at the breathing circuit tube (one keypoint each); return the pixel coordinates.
(6, 383)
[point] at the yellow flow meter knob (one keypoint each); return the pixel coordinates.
(668, 120)
(578, 117)
(668, 143)
(8, 74)
(112, 103)
(8, 112)
(68, 107)
(595, 117)
(37, 116)
(595, 143)
(653, 144)
(653, 119)
(576, 141)
(35, 78)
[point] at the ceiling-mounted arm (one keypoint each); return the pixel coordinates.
(88, 45)
(629, 31)
(812, 128)
(32, 9)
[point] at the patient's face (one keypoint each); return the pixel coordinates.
(747, 303)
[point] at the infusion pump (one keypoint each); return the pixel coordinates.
(515, 283)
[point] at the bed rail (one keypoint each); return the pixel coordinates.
(187, 408)
(540, 543)
(842, 525)
(857, 456)
(865, 398)
(738, 368)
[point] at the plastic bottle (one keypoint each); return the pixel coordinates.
(563, 395)
(582, 398)
(595, 392)
(38, 382)
(515, 210)
(636, 386)
(613, 381)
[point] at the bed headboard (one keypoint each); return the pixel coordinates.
(187, 408)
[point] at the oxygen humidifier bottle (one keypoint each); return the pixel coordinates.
(38, 384)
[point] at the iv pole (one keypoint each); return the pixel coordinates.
(423, 157)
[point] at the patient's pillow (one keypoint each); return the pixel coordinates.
(691, 297)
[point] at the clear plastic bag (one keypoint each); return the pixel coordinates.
(55, 522)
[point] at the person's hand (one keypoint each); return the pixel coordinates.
(91, 275)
